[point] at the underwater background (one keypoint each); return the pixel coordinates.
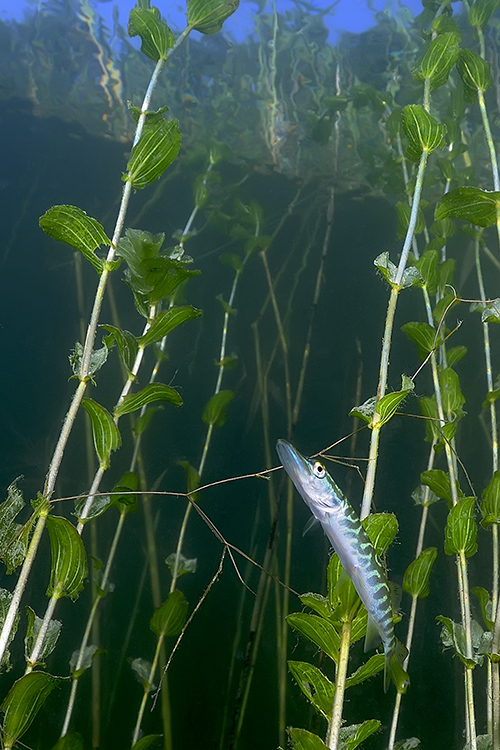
(295, 173)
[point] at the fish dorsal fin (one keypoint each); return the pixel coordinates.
(311, 524)
(372, 638)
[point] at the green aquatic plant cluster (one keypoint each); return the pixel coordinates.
(416, 125)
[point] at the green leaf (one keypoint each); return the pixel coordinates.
(352, 736)
(156, 37)
(365, 411)
(22, 703)
(417, 574)
(388, 404)
(317, 688)
(453, 635)
(424, 336)
(455, 354)
(229, 363)
(13, 542)
(318, 630)
(470, 203)
(156, 149)
(97, 359)
(5, 602)
(163, 276)
(142, 669)
(70, 741)
(389, 271)
(207, 16)
(192, 476)
(439, 483)
(215, 411)
(89, 653)
(333, 573)
(126, 342)
(166, 321)
(428, 407)
(142, 422)
(233, 261)
(149, 394)
(145, 742)
(169, 619)
(225, 306)
(461, 529)
(486, 606)
(451, 395)
(373, 666)
(69, 559)
(381, 529)
(100, 503)
(123, 493)
(424, 496)
(491, 312)
(304, 740)
(423, 132)
(428, 265)
(410, 744)
(185, 565)
(490, 504)
(32, 631)
(317, 603)
(474, 72)
(105, 432)
(481, 11)
(439, 59)
(71, 225)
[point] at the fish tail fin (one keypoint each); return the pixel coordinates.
(393, 668)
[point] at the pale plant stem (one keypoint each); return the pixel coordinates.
(386, 342)
(151, 677)
(332, 737)
(465, 603)
(33, 659)
(88, 627)
(495, 649)
(492, 686)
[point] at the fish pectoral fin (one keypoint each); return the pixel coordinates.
(313, 521)
(372, 638)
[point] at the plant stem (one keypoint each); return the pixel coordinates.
(332, 737)
(386, 341)
(147, 689)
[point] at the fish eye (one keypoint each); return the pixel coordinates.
(319, 470)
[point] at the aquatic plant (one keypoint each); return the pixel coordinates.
(290, 145)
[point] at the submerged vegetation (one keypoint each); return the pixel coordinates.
(300, 165)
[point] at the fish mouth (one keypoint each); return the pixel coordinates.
(296, 466)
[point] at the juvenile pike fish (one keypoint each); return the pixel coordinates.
(356, 553)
